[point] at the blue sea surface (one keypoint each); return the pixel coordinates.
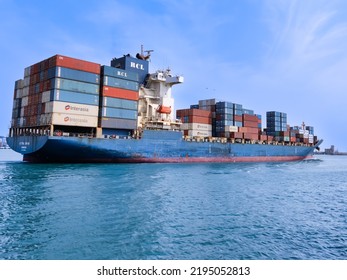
(295, 210)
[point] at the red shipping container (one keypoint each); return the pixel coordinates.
(285, 133)
(181, 113)
(201, 113)
(245, 129)
(46, 85)
(193, 112)
(252, 118)
(250, 136)
(120, 93)
(237, 118)
(270, 138)
(73, 63)
(262, 137)
(250, 124)
(237, 135)
(198, 119)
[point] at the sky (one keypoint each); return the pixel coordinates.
(268, 55)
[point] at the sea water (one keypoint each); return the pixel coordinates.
(293, 210)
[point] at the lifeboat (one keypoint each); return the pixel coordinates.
(164, 109)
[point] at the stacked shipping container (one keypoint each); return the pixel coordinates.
(231, 120)
(65, 92)
(195, 122)
(58, 91)
(119, 100)
(228, 119)
(303, 134)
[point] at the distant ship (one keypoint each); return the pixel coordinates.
(71, 110)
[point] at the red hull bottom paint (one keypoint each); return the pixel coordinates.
(214, 159)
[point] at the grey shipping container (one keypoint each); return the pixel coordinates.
(118, 123)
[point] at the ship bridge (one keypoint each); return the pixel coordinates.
(156, 104)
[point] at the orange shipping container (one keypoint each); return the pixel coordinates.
(120, 93)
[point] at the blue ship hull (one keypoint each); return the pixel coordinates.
(154, 146)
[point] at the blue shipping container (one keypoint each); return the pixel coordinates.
(238, 112)
(119, 103)
(132, 64)
(119, 73)
(248, 111)
(120, 83)
(228, 117)
(74, 97)
(71, 74)
(76, 86)
(119, 113)
(225, 110)
(238, 124)
(222, 105)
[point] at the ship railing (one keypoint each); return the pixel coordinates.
(242, 141)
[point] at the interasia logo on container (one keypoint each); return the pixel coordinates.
(75, 120)
(74, 108)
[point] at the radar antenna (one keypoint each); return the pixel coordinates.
(147, 51)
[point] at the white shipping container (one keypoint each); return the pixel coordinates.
(25, 101)
(46, 119)
(22, 121)
(231, 128)
(48, 107)
(25, 91)
(46, 96)
(26, 81)
(74, 120)
(196, 126)
(201, 133)
(72, 108)
(27, 71)
(19, 93)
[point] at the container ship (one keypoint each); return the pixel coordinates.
(71, 110)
